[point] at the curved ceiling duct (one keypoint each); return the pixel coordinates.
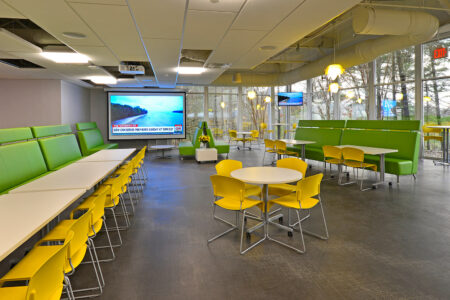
(400, 29)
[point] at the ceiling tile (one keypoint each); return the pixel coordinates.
(9, 42)
(100, 56)
(113, 2)
(204, 30)
(227, 5)
(7, 12)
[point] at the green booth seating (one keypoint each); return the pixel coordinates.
(188, 148)
(20, 163)
(91, 141)
(322, 136)
(60, 151)
(403, 162)
(10, 135)
(322, 123)
(86, 125)
(411, 125)
(221, 147)
(44, 131)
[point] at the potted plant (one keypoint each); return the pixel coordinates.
(204, 140)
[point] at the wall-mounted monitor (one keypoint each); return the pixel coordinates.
(145, 115)
(290, 99)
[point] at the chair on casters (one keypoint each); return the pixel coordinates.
(234, 137)
(43, 269)
(229, 194)
(333, 156)
(282, 149)
(303, 199)
(254, 137)
(354, 158)
(269, 147)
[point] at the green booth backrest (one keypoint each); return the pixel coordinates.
(195, 140)
(202, 124)
(59, 150)
(19, 163)
(322, 136)
(43, 131)
(9, 135)
(86, 125)
(412, 125)
(406, 142)
(89, 139)
(322, 123)
(211, 143)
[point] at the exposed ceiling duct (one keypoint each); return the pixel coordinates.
(399, 29)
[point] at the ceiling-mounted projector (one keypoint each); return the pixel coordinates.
(132, 69)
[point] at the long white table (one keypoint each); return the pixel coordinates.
(445, 143)
(374, 151)
(298, 142)
(22, 215)
(108, 155)
(74, 176)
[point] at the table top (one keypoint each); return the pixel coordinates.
(244, 132)
(439, 126)
(22, 215)
(266, 175)
(160, 147)
(279, 124)
(370, 150)
(296, 142)
(74, 176)
(108, 155)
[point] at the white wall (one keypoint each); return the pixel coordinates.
(99, 110)
(29, 102)
(75, 104)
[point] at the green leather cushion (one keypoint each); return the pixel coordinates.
(103, 147)
(322, 136)
(9, 135)
(89, 139)
(43, 131)
(59, 150)
(19, 163)
(86, 125)
(392, 165)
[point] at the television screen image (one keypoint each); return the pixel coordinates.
(388, 107)
(290, 99)
(146, 115)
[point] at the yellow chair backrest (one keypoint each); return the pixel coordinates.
(229, 187)
(293, 163)
(98, 199)
(80, 228)
(269, 144)
(225, 167)
(332, 152)
(232, 133)
(280, 145)
(427, 129)
(254, 133)
(294, 126)
(309, 187)
(354, 154)
(48, 279)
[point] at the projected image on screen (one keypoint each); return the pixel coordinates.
(290, 99)
(146, 115)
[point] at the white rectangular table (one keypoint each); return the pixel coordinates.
(374, 151)
(298, 142)
(108, 155)
(74, 176)
(22, 215)
(445, 143)
(244, 133)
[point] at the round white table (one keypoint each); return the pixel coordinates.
(162, 148)
(266, 176)
(244, 133)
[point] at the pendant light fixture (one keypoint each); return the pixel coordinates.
(333, 71)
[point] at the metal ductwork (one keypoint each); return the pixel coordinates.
(399, 29)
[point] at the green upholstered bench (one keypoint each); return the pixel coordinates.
(322, 123)
(221, 147)
(91, 141)
(9, 135)
(20, 163)
(322, 136)
(86, 125)
(44, 131)
(188, 148)
(403, 162)
(60, 151)
(409, 125)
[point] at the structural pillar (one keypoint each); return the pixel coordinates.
(372, 101)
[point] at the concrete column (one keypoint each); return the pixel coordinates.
(205, 104)
(372, 101)
(309, 99)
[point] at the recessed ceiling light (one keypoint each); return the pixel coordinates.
(267, 48)
(103, 79)
(66, 57)
(74, 35)
(190, 70)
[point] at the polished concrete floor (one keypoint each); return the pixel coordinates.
(389, 243)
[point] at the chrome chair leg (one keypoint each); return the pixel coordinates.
(241, 250)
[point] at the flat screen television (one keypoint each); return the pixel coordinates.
(290, 99)
(145, 115)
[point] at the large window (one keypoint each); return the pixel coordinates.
(354, 93)
(297, 113)
(194, 108)
(222, 110)
(322, 99)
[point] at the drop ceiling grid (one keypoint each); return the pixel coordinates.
(207, 5)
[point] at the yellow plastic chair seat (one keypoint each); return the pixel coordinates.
(14, 293)
(286, 152)
(430, 137)
(252, 190)
(111, 203)
(292, 202)
(335, 161)
(232, 204)
(271, 150)
(357, 164)
(281, 189)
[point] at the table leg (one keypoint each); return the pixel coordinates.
(303, 152)
(445, 151)
(382, 171)
(265, 199)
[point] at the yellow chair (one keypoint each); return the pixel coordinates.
(282, 150)
(303, 199)
(289, 163)
(432, 131)
(269, 147)
(264, 129)
(333, 156)
(43, 268)
(225, 167)
(234, 137)
(354, 158)
(229, 194)
(80, 244)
